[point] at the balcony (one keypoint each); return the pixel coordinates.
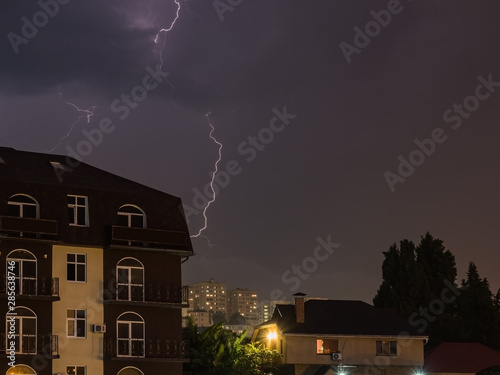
(153, 294)
(149, 349)
(41, 288)
(28, 227)
(47, 345)
(145, 237)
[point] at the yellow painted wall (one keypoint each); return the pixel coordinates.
(355, 351)
(82, 296)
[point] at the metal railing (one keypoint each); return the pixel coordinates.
(145, 348)
(152, 293)
(31, 286)
(30, 344)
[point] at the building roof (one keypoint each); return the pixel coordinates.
(460, 358)
(38, 168)
(338, 317)
(49, 179)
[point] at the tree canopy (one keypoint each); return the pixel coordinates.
(218, 351)
(418, 282)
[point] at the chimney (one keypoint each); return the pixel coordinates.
(300, 312)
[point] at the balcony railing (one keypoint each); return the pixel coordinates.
(28, 227)
(40, 286)
(30, 344)
(145, 348)
(147, 237)
(152, 293)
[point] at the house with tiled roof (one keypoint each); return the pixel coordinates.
(320, 336)
(459, 358)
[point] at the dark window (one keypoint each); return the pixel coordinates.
(387, 348)
(22, 206)
(76, 267)
(130, 335)
(76, 323)
(25, 271)
(78, 210)
(131, 216)
(75, 370)
(130, 283)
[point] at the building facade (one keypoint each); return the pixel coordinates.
(92, 280)
(208, 296)
(245, 303)
(206, 299)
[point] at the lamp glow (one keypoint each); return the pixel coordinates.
(272, 335)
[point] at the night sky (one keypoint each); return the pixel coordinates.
(351, 123)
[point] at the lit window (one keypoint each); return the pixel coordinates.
(327, 346)
(387, 348)
(78, 210)
(76, 267)
(75, 370)
(76, 323)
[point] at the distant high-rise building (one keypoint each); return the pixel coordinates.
(266, 308)
(243, 302)
(208, 296)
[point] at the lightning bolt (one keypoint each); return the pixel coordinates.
(87, 113)
(165, 31)
(216, 168)
(157, 37)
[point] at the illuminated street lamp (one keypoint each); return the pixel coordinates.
(272, 335)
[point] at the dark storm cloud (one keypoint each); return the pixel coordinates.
(85, 41)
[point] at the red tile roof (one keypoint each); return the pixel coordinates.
(460, 357)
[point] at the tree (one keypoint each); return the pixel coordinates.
(477, 311)
(237, 319)
(416, 283)
(218, 351)
(412, 276)
(218, 317)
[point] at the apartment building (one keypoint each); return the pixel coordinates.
(243, 302)
(92, 281)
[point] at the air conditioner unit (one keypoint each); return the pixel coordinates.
(336, 356)
(99, 328)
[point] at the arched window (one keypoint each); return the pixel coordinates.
(130, 335)
(130, 371)
(22, 205)
(131, 216)
(20, 369)
(24, 269)
(23, 325)
(130, 280)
